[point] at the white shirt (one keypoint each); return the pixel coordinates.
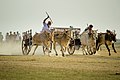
(45, 28)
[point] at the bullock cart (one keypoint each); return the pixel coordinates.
(86, 42)
(26, 42)
(73, 42)
(39, 39)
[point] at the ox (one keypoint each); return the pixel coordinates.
(107, 39)
(42, 39)
(62, 38)
(88, 41)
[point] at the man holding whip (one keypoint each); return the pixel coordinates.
(46, 25)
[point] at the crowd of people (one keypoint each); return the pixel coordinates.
(10, 37)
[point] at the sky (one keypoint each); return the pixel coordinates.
(22, 15)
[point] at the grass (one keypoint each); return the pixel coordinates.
(76, 67)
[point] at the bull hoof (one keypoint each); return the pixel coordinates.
(94, 52)
(56, 54)
(49, 51)
(109, 54)
(63, 55)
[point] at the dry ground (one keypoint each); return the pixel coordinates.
(74, 67)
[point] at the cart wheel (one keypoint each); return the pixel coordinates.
(25, 48)
(71, 49)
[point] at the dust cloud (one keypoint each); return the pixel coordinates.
(10, 48)
(13, 48)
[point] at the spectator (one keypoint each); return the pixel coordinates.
(1, 37)
(18, 37)
(14, 36)
(7, 38)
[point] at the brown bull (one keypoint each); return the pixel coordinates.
(62, 38)
(107, 39)
(42, 39)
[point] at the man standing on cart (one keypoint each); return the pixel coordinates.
(46, 26)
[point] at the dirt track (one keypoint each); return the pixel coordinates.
(77, 66)
(15, 66)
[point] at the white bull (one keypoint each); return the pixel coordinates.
(88, 41)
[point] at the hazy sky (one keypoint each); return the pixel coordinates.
(21, 15)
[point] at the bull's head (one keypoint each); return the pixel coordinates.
(113, 36)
